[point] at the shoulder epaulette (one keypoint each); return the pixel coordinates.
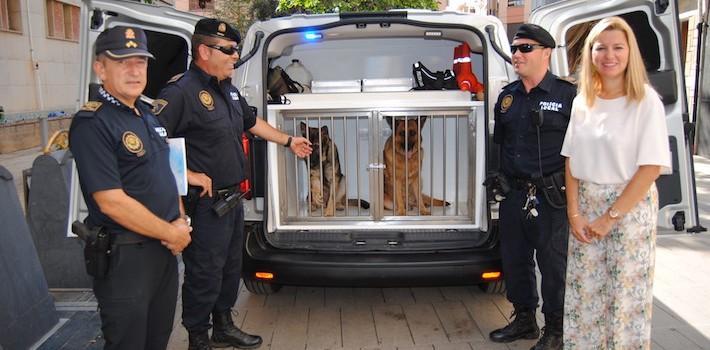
(568, 79)
(175, 78)
(509, 84)
(89, 108)
(159, 105)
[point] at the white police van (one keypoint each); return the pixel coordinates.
(361, 67)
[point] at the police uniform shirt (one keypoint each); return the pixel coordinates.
(116, 149)
(211, 116)
(517, 134)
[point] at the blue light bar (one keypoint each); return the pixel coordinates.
(313, 36)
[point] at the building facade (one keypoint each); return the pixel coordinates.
(39, 62)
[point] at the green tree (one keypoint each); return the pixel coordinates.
(242, 13)
(324, 6)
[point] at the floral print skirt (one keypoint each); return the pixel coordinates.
(609, 296)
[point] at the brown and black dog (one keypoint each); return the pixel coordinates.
(327, 181)
(403, 155)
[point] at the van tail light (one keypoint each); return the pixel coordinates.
(245, 186)
(264, 275)
(493, 275)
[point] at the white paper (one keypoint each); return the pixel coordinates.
(178, 163)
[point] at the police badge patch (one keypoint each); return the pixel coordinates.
(506, 103)
(133, 143)
(206, 100)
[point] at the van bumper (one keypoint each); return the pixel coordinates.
(369, 269)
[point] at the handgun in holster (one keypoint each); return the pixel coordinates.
(189, 201)
(227, 202)
(97, 248)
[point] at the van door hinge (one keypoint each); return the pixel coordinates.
(661, 6)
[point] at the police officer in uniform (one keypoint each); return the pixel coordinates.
(121, 154)
(531, 117)
(209, 112)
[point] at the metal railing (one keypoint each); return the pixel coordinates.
(350, 167)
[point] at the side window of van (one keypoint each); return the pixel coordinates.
(662, 79)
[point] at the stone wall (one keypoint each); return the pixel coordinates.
(26, 134)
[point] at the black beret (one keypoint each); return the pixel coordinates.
(535, 32)
(218, 29)
(122, 42)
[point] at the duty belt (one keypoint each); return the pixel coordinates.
(520, 183)
(226, 192)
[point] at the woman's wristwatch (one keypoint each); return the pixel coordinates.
(613, 213)
(288, 143)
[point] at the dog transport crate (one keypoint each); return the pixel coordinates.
(357, 124)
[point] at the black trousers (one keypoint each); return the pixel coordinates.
(545, 237)
(137, 298)
(213, 264)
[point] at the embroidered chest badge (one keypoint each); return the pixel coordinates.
(206, 100)
(235, 96)
(506, 103)
(133, 143)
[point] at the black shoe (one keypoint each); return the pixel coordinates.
(225, 334)
(549, 341)
(199, 341)
(523, 327)
(551, 334)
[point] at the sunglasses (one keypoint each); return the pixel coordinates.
(227, 50)
(525, 48)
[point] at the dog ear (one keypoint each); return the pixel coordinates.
(324, 130)
(388, 119)
(422, 119)
(303, 129)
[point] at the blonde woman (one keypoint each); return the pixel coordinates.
(616, 146)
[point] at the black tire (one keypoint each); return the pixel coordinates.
(261, 287)
(495, 287)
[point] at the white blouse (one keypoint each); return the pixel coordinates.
(607, 143)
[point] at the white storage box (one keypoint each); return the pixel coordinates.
(386, 85)
(330, 86)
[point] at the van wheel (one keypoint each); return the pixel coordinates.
(260, 287)
(495, 287)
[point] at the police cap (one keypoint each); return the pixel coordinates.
(122, 42)
(218, 29)
(535, 32)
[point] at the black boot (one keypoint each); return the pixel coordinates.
(523, 327)
(199, 341)
(225, 334)
(551, 334)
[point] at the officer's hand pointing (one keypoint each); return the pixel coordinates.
(180, 236)
(301, 147)
(200, 180)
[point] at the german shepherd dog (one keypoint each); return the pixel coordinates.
(403, 156)
(327, 181)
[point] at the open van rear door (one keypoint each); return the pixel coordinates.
(168, 31)
(655, 24)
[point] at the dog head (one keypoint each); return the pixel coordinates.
(320, 142)
(407, 134)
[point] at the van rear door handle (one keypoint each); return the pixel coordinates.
(373, 166)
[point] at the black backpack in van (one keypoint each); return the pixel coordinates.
(424, 79)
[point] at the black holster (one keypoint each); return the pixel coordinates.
(97, 248)
(553, 187)
(497, 186)
(226, 202)
(189, 201)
